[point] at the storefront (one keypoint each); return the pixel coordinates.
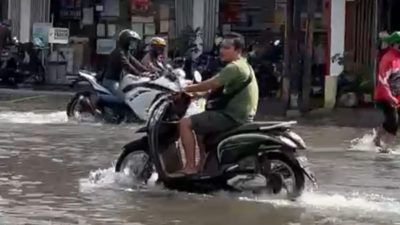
(94, 26)
(264, 21)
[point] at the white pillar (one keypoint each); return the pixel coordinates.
(338, 23)
(9, 10)
(337, 37)
(25, 21)
(198, 13)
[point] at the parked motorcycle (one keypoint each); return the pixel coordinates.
(139, 93)
(268, 68)
(261, 157)
(21, 63)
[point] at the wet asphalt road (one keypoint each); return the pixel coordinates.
(56, 172)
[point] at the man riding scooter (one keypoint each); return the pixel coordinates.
(236, 105)
(154, 59)
(122, 61)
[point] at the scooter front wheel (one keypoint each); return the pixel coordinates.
(135, 161)
(79, 109)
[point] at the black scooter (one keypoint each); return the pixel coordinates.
(260, 157)
(21, 63)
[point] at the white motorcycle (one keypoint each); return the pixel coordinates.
(139, 93)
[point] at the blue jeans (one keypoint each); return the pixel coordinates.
(112, 86)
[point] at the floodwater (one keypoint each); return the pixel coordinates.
(56, 172)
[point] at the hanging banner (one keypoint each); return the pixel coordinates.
(141, 7)
(231, 11)
(70, 9)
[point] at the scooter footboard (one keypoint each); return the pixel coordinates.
(171, 157)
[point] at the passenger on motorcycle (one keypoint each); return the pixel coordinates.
(122, 61)
(154, 59)
(237, 76)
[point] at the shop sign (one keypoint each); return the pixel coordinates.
(105, 46)
(59, 35)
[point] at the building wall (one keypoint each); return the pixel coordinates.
(14, 14)
(210, 23)
(338, 13)
(3, 10)
(24, 13)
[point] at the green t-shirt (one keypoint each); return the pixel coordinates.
(243, 106)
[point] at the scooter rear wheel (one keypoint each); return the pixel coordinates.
(281, 172)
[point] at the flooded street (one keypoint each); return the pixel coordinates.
(56, 172)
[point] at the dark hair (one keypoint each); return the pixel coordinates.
(238, 40)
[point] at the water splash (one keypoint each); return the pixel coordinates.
(365, 143)
(108, 178)
(340, 205)
(33, 118)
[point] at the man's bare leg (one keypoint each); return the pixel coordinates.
(384, 140)
(189, 144)
(202, 153)
(378, 137)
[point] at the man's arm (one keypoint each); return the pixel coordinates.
(205, 86)
(223, 78)
(138, 64)
(128, 67)
(146, 61)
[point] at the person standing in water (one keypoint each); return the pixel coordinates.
(387, 92)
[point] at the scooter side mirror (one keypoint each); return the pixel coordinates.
(197, 76)
(15, 40)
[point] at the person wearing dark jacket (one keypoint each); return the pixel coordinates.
(5, 35)
(122, 61)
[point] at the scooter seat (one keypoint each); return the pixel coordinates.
(253, 127)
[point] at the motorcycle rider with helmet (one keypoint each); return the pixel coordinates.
(122, 61)
(154, 59)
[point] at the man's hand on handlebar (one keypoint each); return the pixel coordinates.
(146, 74)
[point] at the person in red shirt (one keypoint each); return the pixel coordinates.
(387, 92)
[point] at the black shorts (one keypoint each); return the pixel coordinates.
(392, 115)
(212, 122)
